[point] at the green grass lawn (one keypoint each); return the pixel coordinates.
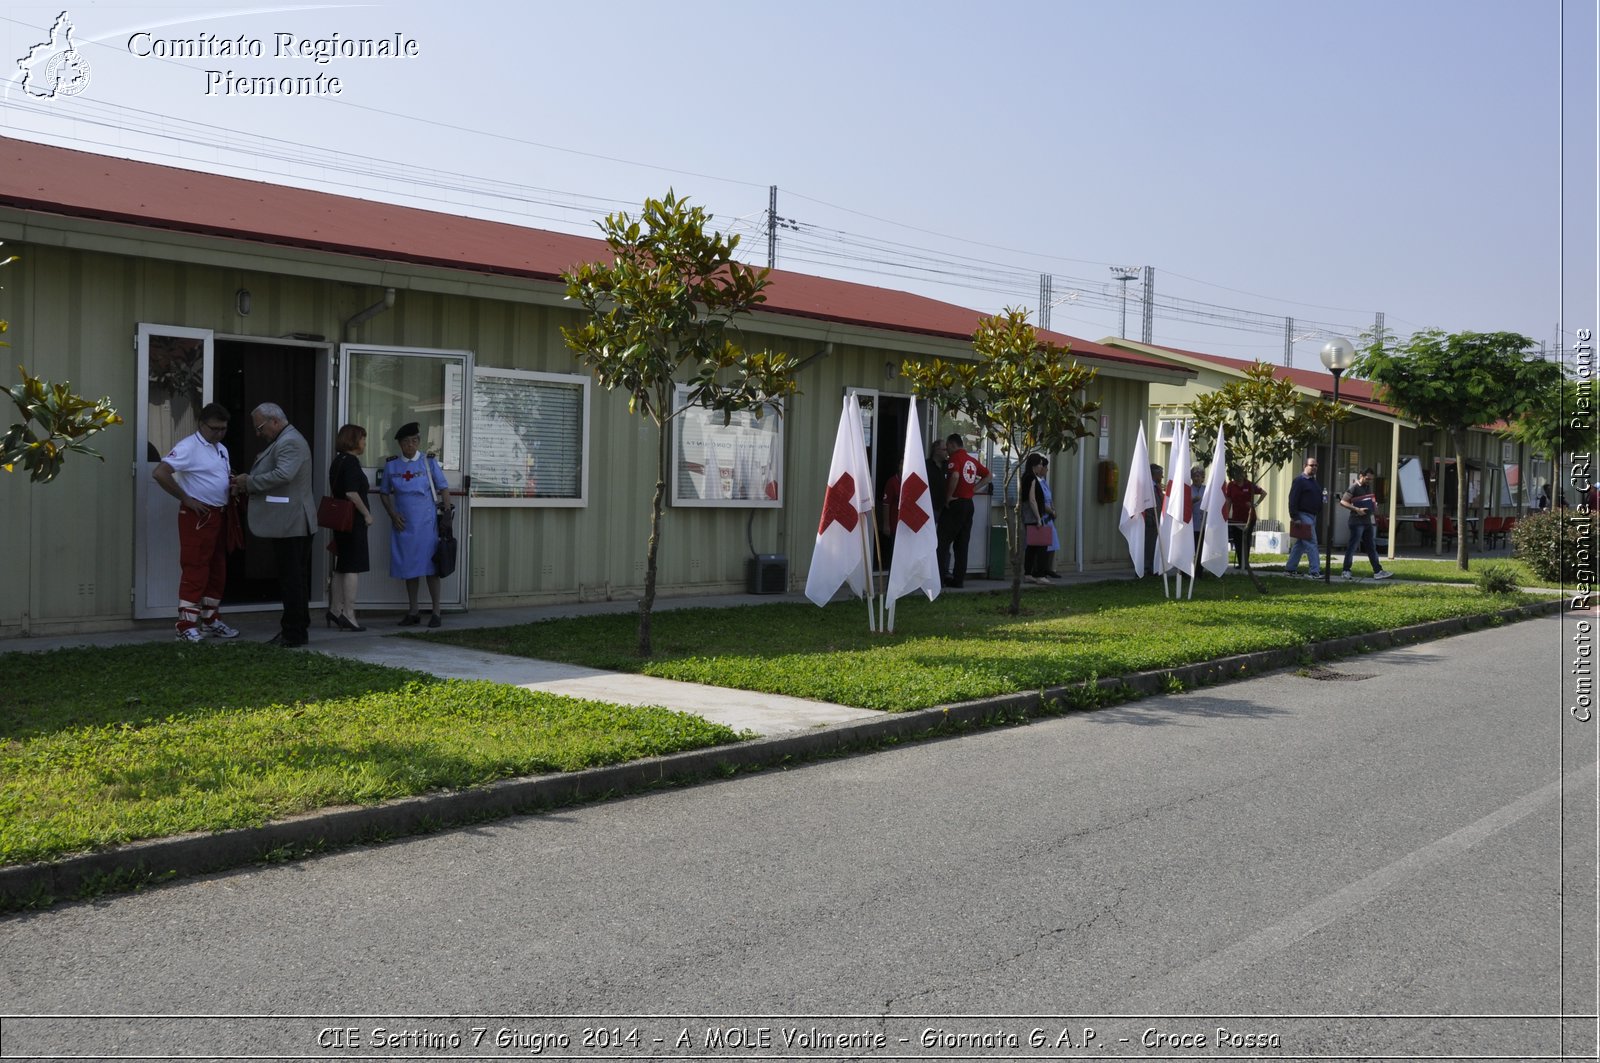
(966, 646)
(1428, 570)
(99, 746)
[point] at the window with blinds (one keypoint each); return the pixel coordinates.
(530, 438)
(738, 465)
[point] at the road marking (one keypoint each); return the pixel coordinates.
(1220, 966)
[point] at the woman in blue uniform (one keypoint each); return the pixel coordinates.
(414, 492)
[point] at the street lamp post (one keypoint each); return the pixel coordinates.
(1124, 274)
(1338, 355)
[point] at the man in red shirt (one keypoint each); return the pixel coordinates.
(967, 477)
(1239, 510)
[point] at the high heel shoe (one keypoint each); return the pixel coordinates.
(346, 624)
(332, 622)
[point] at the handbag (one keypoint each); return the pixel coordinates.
(335, 514)
(1299, 529)
(444, 551)
(1039, 535)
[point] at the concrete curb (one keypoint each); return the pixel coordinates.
(160, 859)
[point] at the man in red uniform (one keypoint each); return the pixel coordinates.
(196, 473)
(967, 477)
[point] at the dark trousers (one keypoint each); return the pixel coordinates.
(293, 558)
(958, 516)
(1363, 537)
(941, 554)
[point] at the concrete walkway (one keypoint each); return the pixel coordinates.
(764, 714)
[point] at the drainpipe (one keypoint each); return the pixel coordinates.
(386, 303)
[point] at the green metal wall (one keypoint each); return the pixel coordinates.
(74, 311)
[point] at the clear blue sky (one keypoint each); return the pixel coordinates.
(1268, 159)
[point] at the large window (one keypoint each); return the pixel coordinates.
(530, 438)
(738, 465)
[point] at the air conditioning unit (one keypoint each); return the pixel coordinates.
(767, 574)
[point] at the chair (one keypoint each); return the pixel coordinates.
(1449, 531)
(1493, 530)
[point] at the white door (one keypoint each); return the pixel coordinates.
(175, 380)
(382, 388)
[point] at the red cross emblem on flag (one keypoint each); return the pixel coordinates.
(838, 506)
(912, 514)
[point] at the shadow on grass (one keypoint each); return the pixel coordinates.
(137, 685)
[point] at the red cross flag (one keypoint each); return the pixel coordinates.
(839, 556)
(916, 540)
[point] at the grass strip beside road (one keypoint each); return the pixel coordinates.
(966, 646)
(100, 746)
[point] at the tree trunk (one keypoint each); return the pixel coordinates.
(1014, 529)
(1244, 554)
(1458, 439)
(649, 600)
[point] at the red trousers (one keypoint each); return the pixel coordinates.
(202, 555)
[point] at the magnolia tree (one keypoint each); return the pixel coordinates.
(1023, 394)
(660, 313)
(1456, 381)
(1266, 423)
(55, 422)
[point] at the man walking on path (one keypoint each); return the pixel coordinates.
(968, 476)
(283, 510)
(1362, 502)
(195, 472)
(1305, 505)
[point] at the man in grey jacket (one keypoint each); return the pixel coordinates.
(283, 510)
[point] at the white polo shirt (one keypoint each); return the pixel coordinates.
(201, 468)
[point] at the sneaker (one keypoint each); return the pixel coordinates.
(189, 634)
(1385, 574)
(218, 630)
(1347, 575)
(1036, 579)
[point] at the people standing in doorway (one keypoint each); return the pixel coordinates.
(888, 520)
(348, 480)
(196, 473)
(283, 511)
(1362, 502)
(938, 475)
(1543, 501)
(414, 492)
(1305, 507)
(967, 476)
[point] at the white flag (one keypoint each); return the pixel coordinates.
(1137, 497)
(837, 557)
(915, 565)
(1178, 519)
(1214, 539)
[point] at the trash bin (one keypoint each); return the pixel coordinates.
(997, 552)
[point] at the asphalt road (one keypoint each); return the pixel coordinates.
(1354, 867)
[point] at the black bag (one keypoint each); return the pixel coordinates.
(444, 552)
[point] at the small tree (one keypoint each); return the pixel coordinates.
(1560, 420)
(1266, 424)
(66, 421)
(1022, 393)
(665, 303)
(1454, 382)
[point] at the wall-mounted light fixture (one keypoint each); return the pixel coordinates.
(241, 302)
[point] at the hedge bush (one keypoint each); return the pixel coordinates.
(1551, 543)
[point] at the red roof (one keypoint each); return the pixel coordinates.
(78, 184)
(1355, 391)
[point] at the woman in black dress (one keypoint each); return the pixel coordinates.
(346, 479)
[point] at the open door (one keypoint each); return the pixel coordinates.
(382, 388)
(175, 374)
